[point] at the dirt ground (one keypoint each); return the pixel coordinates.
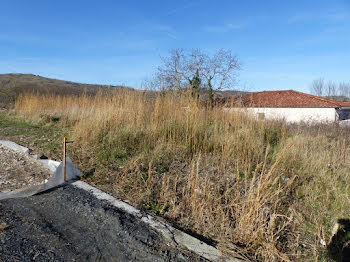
(17, 170)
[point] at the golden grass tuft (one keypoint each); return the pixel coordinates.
(260, 190)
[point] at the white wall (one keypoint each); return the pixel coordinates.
(293, 115)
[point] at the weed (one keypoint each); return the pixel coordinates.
(259, 189)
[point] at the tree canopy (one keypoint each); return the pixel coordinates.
(194, 69)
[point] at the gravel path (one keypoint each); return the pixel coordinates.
(17, 170)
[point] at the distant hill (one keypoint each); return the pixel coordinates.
(11, 85)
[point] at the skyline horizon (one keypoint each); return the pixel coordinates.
(281, 45)
(309, 92)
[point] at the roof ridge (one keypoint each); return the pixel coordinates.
(323, 99)
(253, 98)
(334, 102)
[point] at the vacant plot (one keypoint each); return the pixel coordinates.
(264, 190)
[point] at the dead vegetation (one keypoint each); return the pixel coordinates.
(258, 189)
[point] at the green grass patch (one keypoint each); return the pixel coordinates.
(41, 139)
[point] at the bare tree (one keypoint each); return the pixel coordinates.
(344, 89)
(331, 89)
(220, 71)
(318, 87)
(151, 83)
(194, 69)
(179, 68)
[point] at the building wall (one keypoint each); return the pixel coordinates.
(292, 115)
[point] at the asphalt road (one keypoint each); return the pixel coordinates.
(70, 224)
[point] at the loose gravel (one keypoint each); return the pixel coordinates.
(17, 170)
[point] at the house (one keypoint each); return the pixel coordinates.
(289, 105)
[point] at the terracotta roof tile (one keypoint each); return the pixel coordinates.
(283, 98)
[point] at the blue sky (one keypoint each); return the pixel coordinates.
(281, 44)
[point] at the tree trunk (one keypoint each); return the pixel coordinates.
(211, 95)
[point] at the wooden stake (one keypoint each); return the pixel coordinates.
(64, 159)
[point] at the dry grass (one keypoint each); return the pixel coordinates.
(260, 190)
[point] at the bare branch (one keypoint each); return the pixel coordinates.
(318, 87)
(195, 69)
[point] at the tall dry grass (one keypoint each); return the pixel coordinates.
(259, 189)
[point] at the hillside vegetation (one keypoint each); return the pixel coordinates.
(260, 190)
(11, 85)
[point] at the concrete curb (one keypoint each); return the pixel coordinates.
(171, 234)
